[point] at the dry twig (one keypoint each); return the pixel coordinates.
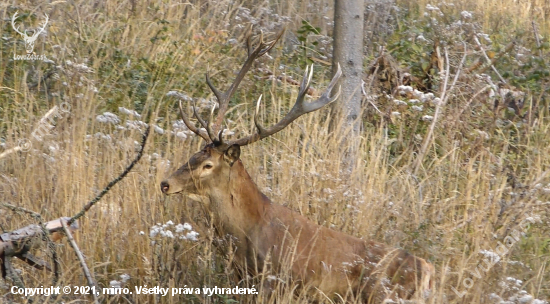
(537, 39)
(85, 268)
(488, 59)
(444, 96)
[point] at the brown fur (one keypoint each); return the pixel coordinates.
(316, 256)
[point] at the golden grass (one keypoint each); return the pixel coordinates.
(462, 200)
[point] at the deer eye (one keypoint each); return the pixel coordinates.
(207, 166)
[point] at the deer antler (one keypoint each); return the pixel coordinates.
(253, 54)
(223, 98)
(190, 126)
(300, 108)
(13, 24)
(42, 28)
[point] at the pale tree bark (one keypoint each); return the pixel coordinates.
(348, 52)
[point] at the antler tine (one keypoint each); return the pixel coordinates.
(218, 94)
(304, 85)
(204, 124)
(220, 136)
(325, 97)
(271, 44)
(223, 99)
(189, 125)
(260, 130)
(300, 108)
(212, 135)
(249, 49)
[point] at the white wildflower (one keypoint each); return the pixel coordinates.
(417, 94)
(192, 236)
(158, 129)
(403, 90)
(427, 97)
(124, 277)
(421, 38)
(418, 108)
(430, 7)
(427, 118)
(466, 14)
(108, 117)
(179, 228)
(493, 257)
(82, 68)
(483, 134)
(485, 37)
(123, 110)
(155, 230)
(115, 284)
(435, 101)
(399, 102)
(179, 95)
(168, 234)
(181, 135)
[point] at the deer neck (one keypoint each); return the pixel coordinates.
(238, 205)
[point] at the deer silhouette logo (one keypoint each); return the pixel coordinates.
(29, 40)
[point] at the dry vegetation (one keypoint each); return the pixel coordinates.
(484, 172)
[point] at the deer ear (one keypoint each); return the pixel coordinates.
(232, 154)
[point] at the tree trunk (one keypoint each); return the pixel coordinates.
(348, 52)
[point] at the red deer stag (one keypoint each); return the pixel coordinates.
(264, 232)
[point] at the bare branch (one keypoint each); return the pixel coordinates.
(488, 59)
(80, 256)
(114, 181)
(537, 39)
(444, 96)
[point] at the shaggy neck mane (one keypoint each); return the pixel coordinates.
(243, 205)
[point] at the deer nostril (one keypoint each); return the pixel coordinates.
(164, 186)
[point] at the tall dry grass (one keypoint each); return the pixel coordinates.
(468, 195)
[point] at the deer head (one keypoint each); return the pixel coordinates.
(209, 169)
(29, 40)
